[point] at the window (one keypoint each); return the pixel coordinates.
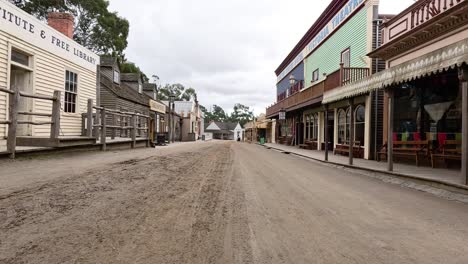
(346, 58)
(315, 75)
(315, 125)
(116, 76)
(19, 57)
(359, 125)
(342, 126)
(71, 91)
(307, 128)
(140, 87)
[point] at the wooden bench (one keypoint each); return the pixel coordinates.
(344, 149)
(450, 150)
(414, 149)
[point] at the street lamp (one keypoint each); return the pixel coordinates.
(292, 80)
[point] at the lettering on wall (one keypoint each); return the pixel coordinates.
(337, 21)
(16, 22)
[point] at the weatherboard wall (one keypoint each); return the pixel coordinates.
(48, 64)
(354, 35)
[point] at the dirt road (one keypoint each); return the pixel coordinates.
(219, 203)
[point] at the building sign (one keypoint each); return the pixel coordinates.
(157, 106)
(20, 24)
(337, 21)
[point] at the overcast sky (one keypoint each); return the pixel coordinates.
(227, 50)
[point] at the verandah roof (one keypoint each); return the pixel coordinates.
(443, 59)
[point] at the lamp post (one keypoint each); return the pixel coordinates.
(171, 117)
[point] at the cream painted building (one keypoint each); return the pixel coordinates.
(38, 59)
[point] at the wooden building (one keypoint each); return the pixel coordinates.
(119, 95)
(38, 60)
(425, 82)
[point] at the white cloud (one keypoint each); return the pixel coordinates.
(226, 50)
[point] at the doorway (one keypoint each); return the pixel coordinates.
(21, 79)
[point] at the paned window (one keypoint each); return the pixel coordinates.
(71, 91)
(19, 57)
(346, 58)
(116, 76)
(359, 125)
(315, 75)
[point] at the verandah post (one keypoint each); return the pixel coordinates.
(390, 130)
(351, 131)
(89, 119)
(463, 77)
(55, 127)
(326, 132)
(13, 107)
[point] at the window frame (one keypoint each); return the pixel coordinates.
(346, 51)
(70, 106)
(116, 80)
(315, 75)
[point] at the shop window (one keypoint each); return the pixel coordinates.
(71, 92)
(359, 125)
(344, 120)
(429, 109)
(315, 125)
(315, 75)
(307, 127)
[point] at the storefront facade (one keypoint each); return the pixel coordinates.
(38, 59)
(334, 52)
(426, 52)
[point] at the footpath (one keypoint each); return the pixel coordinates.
(437, 177)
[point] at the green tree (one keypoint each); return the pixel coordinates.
(176, 90)
(130, 67)
(96, 28)
(189, 94)
(241, 114)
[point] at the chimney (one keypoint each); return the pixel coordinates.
(63, 22)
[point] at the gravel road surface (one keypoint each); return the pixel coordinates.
(217, 202)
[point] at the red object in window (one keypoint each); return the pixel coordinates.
(442, 137)
(417, 136)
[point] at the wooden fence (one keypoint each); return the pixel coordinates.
(123, 124)
(13, 111)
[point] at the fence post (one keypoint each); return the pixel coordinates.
(114, 124)
(103, 129)
(55, 127)
(89, 119)
(97, 124)
(133, 130)
(13, 107)
(149, 132)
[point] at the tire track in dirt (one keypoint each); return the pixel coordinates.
(169, 209)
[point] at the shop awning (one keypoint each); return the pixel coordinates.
(443, 59)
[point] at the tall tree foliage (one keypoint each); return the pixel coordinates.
(178, 91)
(96, 28)
(241, 114)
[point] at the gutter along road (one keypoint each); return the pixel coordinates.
(217, 202)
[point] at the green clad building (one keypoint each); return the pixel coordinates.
(332, 53)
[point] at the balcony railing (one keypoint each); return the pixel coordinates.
(342, 76)
(349, 75)
(426, 10)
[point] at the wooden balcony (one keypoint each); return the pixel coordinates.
(420, 23)
(313, 94)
